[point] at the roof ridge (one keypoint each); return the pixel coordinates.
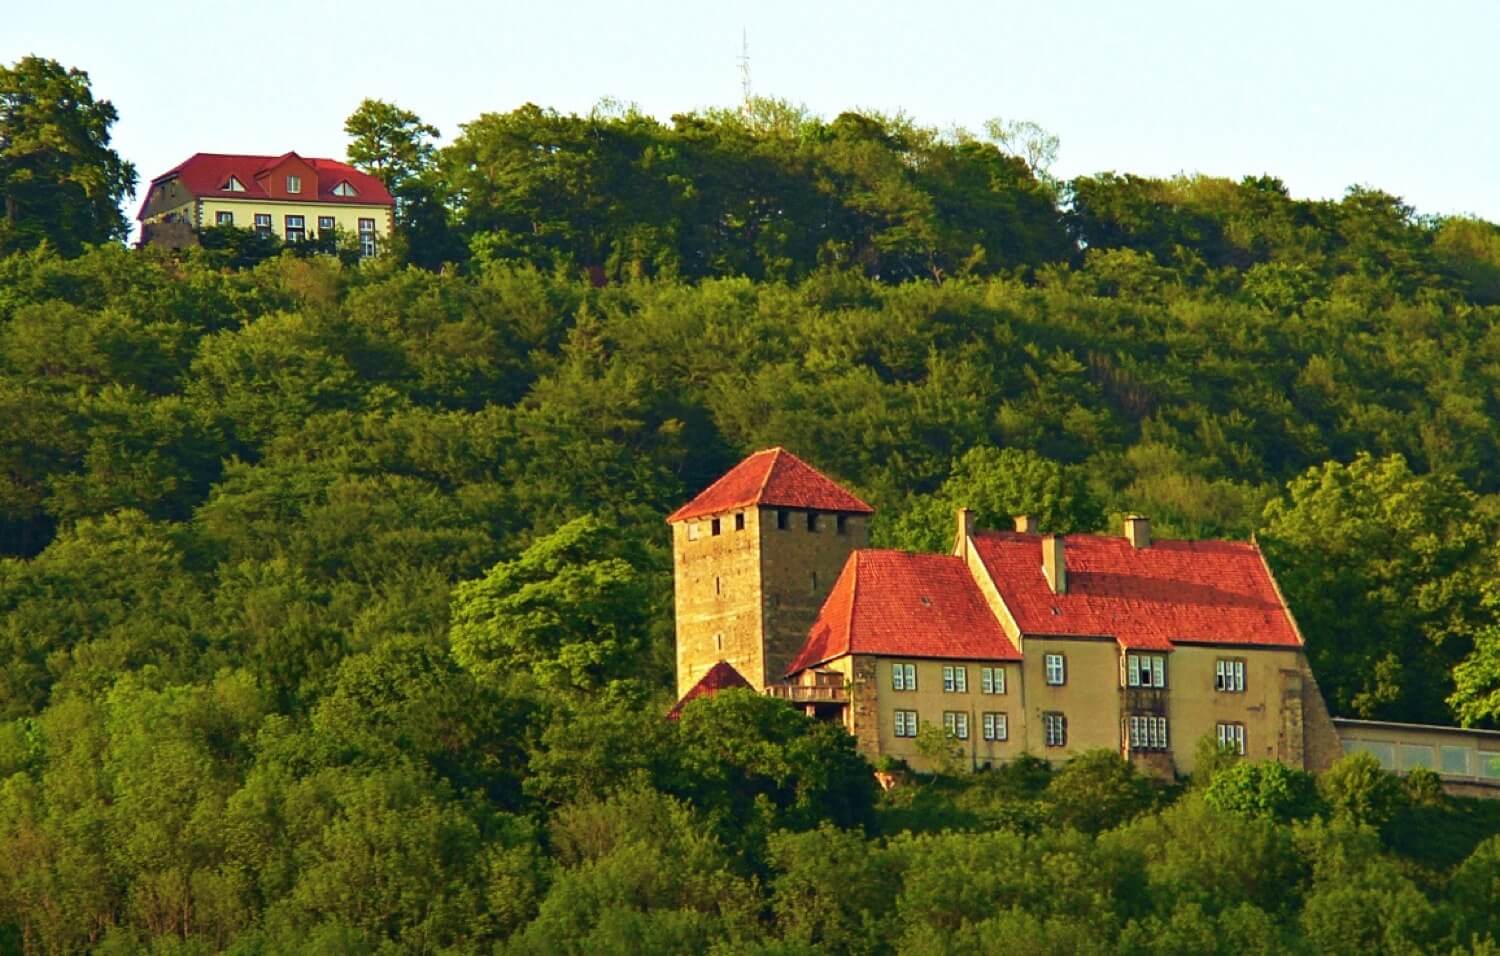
(766, 478)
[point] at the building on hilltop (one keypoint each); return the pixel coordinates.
(1016, 641)
(289, 197)
(754, 555)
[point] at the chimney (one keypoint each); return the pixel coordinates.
(1054, 566)
(1138, 531)
(965, 529)
(1026, 524)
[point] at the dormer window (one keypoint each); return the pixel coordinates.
(294, 184)
(233, 185)
(344, 189)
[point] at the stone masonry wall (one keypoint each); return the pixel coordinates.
(718, 597)
(798, 568)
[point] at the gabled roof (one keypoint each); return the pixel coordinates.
(895, 603)
(722, 676)
(1213, 592)
(772, 477)
(204, 175)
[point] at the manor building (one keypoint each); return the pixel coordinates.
(1017, 640)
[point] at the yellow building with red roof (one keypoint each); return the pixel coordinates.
(1016, 641)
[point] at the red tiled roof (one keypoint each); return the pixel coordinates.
(1217, 592)
(771, 477)
(907, 605)
(722, 676)
(204, 175)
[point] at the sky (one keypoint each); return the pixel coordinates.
(1323, 94)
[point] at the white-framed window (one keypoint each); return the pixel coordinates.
(233, 185)
(956, 722)
(344, 189)
(325, 226)
(367, 237)
(1147, 732)
(1229, 675)
(1232, 735)
(223, 218)
(994, 727)
(1054, 729)
(1146, 670)
(903, 677)
(1056, 668)
(263, 225)
(906, 723)
(992, 680)
(294, 184)
(955, 679)
(692, 530)
(296, 228)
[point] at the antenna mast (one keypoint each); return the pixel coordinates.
(745, 67)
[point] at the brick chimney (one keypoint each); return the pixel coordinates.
(1138, 531)
(1054, 565)
(1026, 524)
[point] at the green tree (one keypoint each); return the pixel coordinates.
(1385, 571)
(59, 180)
(1097, 790)
(1265, 789)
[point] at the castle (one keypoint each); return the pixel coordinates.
(1015, 641)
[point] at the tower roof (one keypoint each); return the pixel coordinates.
(911, 605)
(772, 477)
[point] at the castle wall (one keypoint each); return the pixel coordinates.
(797, 570)
(875, 726)
(718, 597)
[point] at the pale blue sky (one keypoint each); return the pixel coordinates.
(1397, 95)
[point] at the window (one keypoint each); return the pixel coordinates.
(263, 225)
(1456, 761)
(325, 226)
(692, 530)
(1232, 735)
(714, 527)
(739, 521)
(717, 588)
(813, 576)
(955, 679)
(294, 184)
(956, 722)
(344, 189)
(783, 519)
(1147, 732)
(296, 228)
(812, 521)
(1056, 668)
(718, 642)
(1146, 670)
(993, 727)
(992, 680)
(906, 723)
(223, 218)
(233, 185)
(841, 524)
(1229, 675)
(1055, 729)
(367, 237)
(903, 677)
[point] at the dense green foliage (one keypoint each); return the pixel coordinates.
(335, 598)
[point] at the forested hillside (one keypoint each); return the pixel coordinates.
(335, 605)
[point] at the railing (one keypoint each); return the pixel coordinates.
(808, 693)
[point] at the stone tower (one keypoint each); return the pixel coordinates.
(753, 557)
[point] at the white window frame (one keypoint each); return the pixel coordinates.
(293, 184)
(300, 228)
(1146, 670)
(995, 726)
(955, 679)
(344, 189)
(1232, 734)
(1054, 729)
(1229, 675)
(1056, 668)
(224, 217)
(1147, 732)
(992, 680)
(233, 185)
(906, 723)
(956, 722)
(265, 224)
(903, 676)
(367, 237)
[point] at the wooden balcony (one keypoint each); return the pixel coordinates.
(808, 693)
